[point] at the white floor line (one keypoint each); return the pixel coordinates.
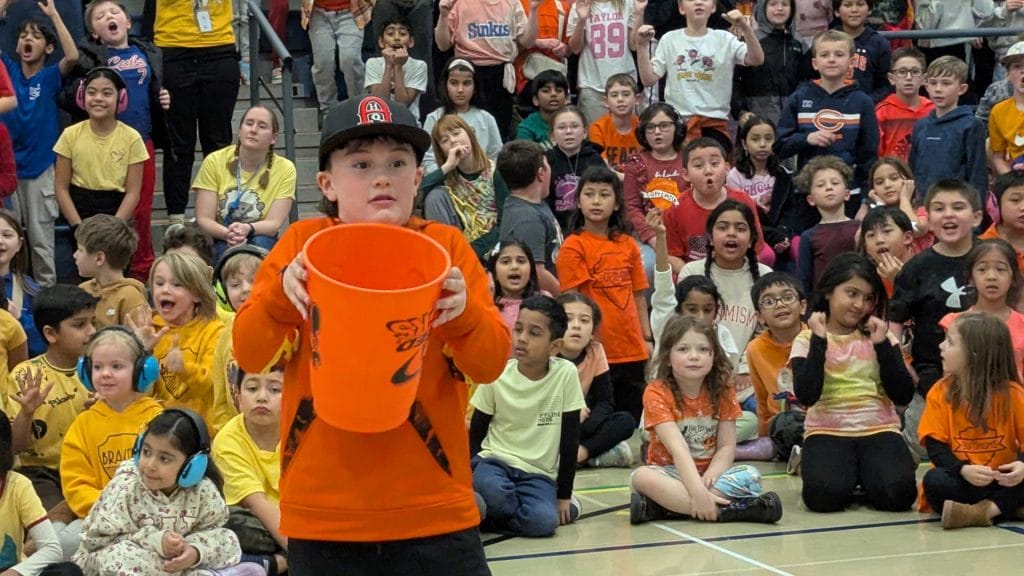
(725, 551)
(904, 555)
(594, 501)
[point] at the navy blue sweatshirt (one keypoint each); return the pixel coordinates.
(872, 59)
(848, 111)
(952, 146)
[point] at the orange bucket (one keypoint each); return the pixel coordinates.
(372, 289)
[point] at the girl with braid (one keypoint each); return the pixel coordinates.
(244, 192)
(732, 265)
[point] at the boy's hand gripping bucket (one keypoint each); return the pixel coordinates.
(372, 289)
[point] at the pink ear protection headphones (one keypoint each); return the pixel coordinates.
(105, 72)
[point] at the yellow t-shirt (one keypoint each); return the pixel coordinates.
(12, 335)
(96, 444)
(181, 24)
(53, 418)
(101, 162)
(192, 388)
(20, 510)
(1006, 129)
(254, 202)
(223, 358)
(246, 468)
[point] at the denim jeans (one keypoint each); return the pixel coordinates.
(518, 503)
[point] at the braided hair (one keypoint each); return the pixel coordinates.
(275, 125)
(730, 205)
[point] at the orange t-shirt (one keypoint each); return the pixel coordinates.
(410, 482)
(769, 374)
(1000, 444)
(617, 147)
(993, 233)
(611, 273)
(696, 420)
(1015, 323)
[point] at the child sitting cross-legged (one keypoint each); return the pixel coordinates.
(525, 429)
(248, 452)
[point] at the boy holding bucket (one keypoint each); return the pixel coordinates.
(336, 508)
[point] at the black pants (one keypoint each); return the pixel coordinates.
(941, 484)
(628, 381)
(598, 435)
(497, 100)
(833, 466)
(455, 554)
(203, 83)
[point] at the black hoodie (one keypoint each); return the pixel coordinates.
(565, 173)
(762, 89)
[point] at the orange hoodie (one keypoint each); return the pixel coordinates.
(896, 123)
(409, 482)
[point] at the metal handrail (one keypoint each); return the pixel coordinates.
(951, 33)
(286, 107)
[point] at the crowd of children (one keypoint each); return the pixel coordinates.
(771, 247)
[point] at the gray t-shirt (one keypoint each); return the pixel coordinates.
(535, 226)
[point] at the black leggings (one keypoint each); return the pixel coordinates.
(833, 466)
(628, 382)
(941, 484)
(498, 101)
(598, 435)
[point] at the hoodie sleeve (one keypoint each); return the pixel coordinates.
(880, 71)
(867, 146)
(111, 541)
(976, 166)
(217, 546)
(789, 139)
(79, 483)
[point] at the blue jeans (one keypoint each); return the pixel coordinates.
(518, 503)
(265, 242)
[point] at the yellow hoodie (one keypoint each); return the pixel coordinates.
(97, 442)
(223, 402)
(193, 387)
(118, 301)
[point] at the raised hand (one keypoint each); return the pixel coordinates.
(174, 360)
(141, 323)
(644, 34)
(31, 392)
(583, 9)
(816, 322)
(878, 330)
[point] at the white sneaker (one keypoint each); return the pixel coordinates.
(575, 508)
(793, 465)
(619, 456)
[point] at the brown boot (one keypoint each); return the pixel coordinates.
(957, 515)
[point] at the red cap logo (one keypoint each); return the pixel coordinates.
(373, 110)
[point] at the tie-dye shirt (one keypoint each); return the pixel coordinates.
(852, 402)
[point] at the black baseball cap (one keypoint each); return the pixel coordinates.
(369, 116)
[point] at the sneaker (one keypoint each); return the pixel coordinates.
(275, 76)
(643, 509)
(766, 509)
(174, 219)
(793, 465)
(620, 456)
(480, 505)
(575, 508)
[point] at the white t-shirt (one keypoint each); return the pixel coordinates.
(698, 71)
(526, 427)
(414, 71)
(606, 44)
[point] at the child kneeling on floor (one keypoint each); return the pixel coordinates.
(690, 410)
(524, 433)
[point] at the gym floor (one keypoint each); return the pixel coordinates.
(859, 541)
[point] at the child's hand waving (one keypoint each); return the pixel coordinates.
(31, 392)
(141, 324)
(453, 301)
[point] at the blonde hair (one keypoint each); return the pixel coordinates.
(450, 122)
(116, 336)
(832, 36)
(718, 381)
(195, 276)
(240, 264)
(983, 387)
(948, 66)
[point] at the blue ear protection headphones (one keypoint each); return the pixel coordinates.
(194, 469)
(144, 374)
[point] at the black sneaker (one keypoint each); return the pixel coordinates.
(766, 509)
(643, 509)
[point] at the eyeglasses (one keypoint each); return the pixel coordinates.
(568, 127)
(787, 298)
(659, 126)
(908, 72)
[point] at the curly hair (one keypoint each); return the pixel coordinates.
(718, 380)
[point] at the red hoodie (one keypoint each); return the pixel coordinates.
(896, 123)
